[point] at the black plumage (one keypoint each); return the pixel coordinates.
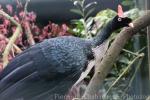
(47, 70)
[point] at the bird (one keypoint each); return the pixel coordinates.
(47, 70)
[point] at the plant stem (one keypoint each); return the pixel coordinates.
(131, 80)
(125, 71)
(27, 25)
(135, 54)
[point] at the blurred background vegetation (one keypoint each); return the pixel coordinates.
(129, 77)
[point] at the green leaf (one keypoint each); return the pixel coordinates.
(89, 22)
(124, 59)
(89, 5)
(89, 12)
(127, 3)
(108, 12)
(77, 11)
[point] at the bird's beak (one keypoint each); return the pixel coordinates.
(131, 25)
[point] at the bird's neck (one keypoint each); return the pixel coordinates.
(104, 33)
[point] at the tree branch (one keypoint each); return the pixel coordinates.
(104, 67)
(17, 49)
(12, 39)
(27, 25)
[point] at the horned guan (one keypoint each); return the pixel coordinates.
(47, 70)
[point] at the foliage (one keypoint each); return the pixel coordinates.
(26, 20)
(129, 3)
(83, 9)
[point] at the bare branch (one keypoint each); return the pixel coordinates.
(12, 39)
(17, 49)
(27, 25)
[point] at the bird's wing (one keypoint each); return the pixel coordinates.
(32, 87)
(22, 72)
(19, 61)
(30, 75)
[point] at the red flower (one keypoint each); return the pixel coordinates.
(31, 16)
(6, 23)
(9, 9)
(36, 29)
(22, 14)
(64, 28)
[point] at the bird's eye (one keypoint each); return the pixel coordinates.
(119, 19)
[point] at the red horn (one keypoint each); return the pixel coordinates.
(120, 11)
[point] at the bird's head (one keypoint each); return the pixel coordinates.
(120, 20)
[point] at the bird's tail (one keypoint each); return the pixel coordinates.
(76, 91)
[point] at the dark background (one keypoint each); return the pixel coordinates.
(59, 10)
